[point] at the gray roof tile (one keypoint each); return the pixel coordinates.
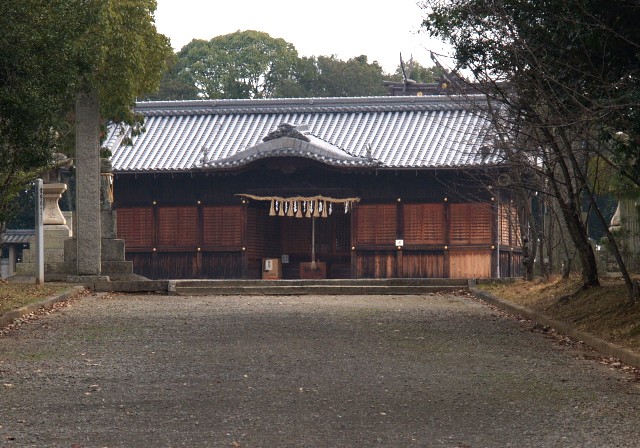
(393, 132)
(12, 236)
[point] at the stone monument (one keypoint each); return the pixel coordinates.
(88, 239)
(56, 228)
(87, 250)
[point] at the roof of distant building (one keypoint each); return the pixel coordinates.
(12, 236)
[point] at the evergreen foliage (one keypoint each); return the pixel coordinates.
(50, 50)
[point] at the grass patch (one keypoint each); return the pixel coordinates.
(17, 295)
(605, 312)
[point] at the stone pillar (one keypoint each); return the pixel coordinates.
(56, 233)
(88, 236)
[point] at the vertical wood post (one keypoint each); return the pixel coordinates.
(352, 251)
(199, 240)
(447, 236)
(155, 224)
(244, 239)
(399, 236)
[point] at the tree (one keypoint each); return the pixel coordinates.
(37, 78)
(564, 79)
(252, 64)
(244, 64)
(51, 50)
(174, 84)
(354, 77)
(129, 57)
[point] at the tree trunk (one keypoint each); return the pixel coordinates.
(580, 239)
(578, 232)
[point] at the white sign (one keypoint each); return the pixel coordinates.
(268, 264)
(39, 206)
(399, 243)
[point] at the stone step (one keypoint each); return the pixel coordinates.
(314, 287)
(325, 282)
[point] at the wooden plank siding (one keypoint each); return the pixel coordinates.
(194, 225)
(376, 225)
(183, 241)
(376, 264)
(439, 240)
(470, 224)
(422, 264)
(135, 226)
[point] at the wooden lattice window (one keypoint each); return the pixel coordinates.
(376, 224)
(177, 227)
(423, 223)
(222, 226)
(509, 228)
(296, 236)
(470, 223)
(516, 235)
(135, 227)
(342, 231)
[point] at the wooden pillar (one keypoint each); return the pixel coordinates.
(155, 224)
(199, 241)
(447, 232)
(354, 260)
(399, 236)
(244, 238)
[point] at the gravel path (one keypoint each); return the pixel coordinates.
(312, 371)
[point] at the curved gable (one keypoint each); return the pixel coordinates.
(291, 141)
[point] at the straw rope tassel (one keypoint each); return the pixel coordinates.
(298, 209)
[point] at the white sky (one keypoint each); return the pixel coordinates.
(345, 28)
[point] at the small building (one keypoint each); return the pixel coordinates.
(13, 242)
(370, 187)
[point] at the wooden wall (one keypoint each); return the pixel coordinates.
(451, 240)
(189, 241)
(194, 225)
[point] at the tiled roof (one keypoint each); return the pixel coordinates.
(17, 236)
(386, 132)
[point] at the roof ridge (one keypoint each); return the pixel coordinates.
(305, 105)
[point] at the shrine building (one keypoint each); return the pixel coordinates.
(368, 187)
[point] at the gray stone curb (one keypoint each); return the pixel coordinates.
(606, 348)
(10, 316)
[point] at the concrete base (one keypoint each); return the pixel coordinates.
(87, 279)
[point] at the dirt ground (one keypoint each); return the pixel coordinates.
(314, 371)
(605, 312)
